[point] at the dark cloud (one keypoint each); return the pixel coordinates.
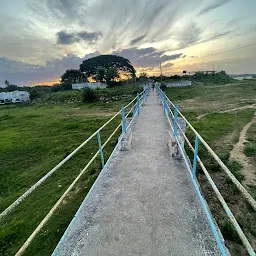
(138, 39)
(70, 38)
(22, 73)
(213, 6)
(167, 65)
(146, 57)
(66, 38)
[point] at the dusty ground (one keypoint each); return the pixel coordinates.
(238, 154)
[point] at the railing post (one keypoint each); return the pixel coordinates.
(164, 97)
(133, 110)
(101, 152)
(138, 104)
(175, 120)
(168, 109)
(123, 120)
(195, 158)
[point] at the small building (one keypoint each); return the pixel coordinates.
(95, 85)
(14, 97)
(181, 83)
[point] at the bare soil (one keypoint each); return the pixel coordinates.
(237, 154)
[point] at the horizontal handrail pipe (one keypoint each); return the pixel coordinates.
(67, 158)
(141, 98)
(171, 119)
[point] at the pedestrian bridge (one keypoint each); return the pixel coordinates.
(146, 200)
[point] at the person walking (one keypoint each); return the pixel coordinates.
(153, 86)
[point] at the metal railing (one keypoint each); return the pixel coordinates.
(131, 109)
(172, 113)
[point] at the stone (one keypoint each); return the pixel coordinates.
(173, 146)
(126, 141)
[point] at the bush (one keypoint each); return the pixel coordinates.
(163, 86)
(112, 84)
(89, 95)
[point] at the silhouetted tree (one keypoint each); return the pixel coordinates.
(90, 66)
(73, 76)
(111, 74)
(100, 74)
(6, 82)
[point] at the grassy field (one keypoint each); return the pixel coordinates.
(219, 113)
(33, 139)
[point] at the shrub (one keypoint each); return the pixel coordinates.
(89, 95)
(112, 84)
(163, 86)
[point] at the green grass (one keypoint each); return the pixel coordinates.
(33, 139)
(119, 90)
(250, 146)
(75, 96)
(236, 168)
(253, 190)
(221, 131)
(211, 99)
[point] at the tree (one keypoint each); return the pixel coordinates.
(6, 82)
(111, 74)
(90, 66)
(10, 87)
(73, 76)
(143, 75)
(101, 72)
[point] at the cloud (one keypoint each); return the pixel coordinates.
(70, 38)
(21, 73)
(216, 36)
(189, 35)
(138, 39)
(213, 6)
(167, 65)
(145, 57)
(192, 34)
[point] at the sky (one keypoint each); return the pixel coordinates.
(40, 40)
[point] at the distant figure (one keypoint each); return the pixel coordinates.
(153, 86)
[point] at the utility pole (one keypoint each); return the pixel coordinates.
(161, 74)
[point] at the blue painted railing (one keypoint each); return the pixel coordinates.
(172, 117)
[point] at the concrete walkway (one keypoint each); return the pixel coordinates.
(144, 203)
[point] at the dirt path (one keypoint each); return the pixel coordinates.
(237, 154)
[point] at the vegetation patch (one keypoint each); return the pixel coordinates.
(35, 139)
(221, 131)
(250, 146)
